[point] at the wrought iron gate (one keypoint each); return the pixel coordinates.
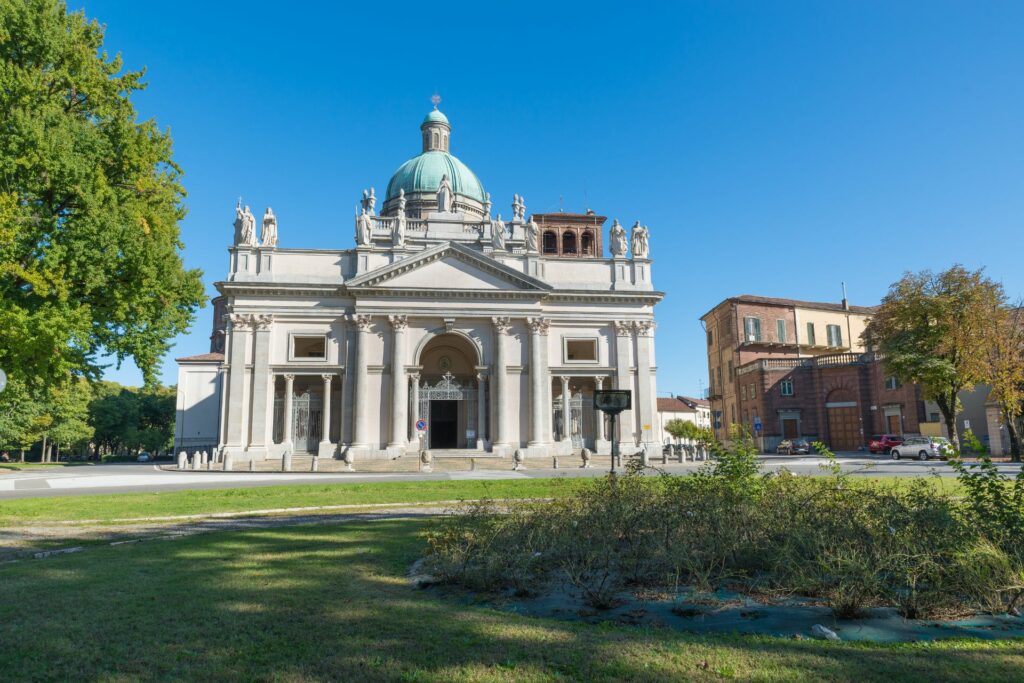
(447, 389)
(307, 421)
(581, 427)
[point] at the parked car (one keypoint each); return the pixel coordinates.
(923, 448)
(883, 443)
(143, 457)
(793, 447)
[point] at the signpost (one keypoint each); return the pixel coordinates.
(612, 402)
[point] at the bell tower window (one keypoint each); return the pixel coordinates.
(568, 243)
(550, 243)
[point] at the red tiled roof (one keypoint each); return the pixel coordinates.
(674, 405)
(202, 358)
(774, 301)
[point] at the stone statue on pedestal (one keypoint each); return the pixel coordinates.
(498, 234)
(618, 239)
(248, 231)
(487, 206)
(364, 229)
(639, 240)
(532, 236)
(398, 237)
(444, 195)
(268, 235)
(369, 201)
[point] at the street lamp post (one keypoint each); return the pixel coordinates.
(612, 402)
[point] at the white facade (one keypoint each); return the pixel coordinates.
(697, 411)
(436, 315)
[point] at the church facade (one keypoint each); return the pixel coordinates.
(445, 327)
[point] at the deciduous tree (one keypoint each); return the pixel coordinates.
(1006, 372)
(90, 201)
(936, 329)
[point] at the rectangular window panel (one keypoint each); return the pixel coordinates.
(752, 329)
(580, 350)
(835, 335)
(780, 329)
(786, 387)
(309, 347)
(753, 391)
(810, 335)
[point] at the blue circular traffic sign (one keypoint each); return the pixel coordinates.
(421, 425)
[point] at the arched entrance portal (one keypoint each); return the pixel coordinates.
(448, 393)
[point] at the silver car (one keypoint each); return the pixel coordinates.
(923, 448)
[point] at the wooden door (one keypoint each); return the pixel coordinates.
(844, 429)
(895, 424)
(789, 429)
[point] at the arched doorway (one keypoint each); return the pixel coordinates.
(844, 429)
(448, 393)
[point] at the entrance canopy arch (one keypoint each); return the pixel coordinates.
(450, 398)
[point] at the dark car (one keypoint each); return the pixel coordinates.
(883, 443)
(793, 447)
(922, 448)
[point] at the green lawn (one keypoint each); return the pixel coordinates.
(122, 506)
(330, 602)
(41, 465)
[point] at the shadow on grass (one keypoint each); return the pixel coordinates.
(332, 603)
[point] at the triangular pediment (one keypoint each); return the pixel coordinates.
(449, 266)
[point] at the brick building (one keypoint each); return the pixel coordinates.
(799, 369)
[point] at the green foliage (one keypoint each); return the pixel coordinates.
(852, 543)
(684, 429)
(936, 329)
(90, 202)
(127, 418)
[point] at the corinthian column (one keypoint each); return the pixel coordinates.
(538, 342)
(499, 385)
(325, 419)
(414, 409)
(361, 398)
(566, 411)
(481, 415)
(286, 428)
(399, 395)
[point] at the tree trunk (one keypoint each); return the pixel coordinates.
(1011, 431)
(948, 409)
(42, 453)
(23, 455)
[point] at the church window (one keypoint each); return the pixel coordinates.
(580, 350)
(309, 347)
(568, 243)
(550, 243)
(588, 243)
(435, 140)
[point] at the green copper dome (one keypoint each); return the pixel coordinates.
(436, 117)
(423, 173)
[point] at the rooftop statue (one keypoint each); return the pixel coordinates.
(248, 232)
(487, 207)
(498, 234)
(532, 236)
(639, 240)
(364, 228)
(268, 236)
(618, 239)
(444, 195)
(369, 201)
(398, 236)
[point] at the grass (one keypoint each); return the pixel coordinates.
(17, 466)
(122, 506)
(330, 602)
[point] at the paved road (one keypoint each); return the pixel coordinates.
(139, 477)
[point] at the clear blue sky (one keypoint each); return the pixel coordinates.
(775, 148)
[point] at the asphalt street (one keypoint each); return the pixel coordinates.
(143, 477)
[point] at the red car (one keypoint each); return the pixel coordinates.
(883, 443)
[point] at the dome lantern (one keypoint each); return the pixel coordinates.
(436, 131)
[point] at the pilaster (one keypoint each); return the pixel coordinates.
(538, 376)
(361, 398)
(399, 392)
(624, 381)
(261, 403)
(502, 442)
(238, 326)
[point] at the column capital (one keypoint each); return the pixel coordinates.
(644, 328)
(623, 328)
(599, 381)
(362, 322)
(481, 376)
(288, 377)
(502, 324)
(327, 377)
(238, 321)
(414, 376)
(261, 322)
(539, 325)
(398, 322)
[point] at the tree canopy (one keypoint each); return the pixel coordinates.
(936, 329)
(90, 201)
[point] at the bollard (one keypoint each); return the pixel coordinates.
(315, 466)
(197, 460)
(182, 460)
(586, 455)
(664, 457)
(517, 459)
(425, 460)
(206, 460)
(252, 465)
(286, 462)
(348, 461)
(554, 462)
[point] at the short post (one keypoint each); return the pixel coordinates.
(425, 459)
(315, 465)
(586, 455)
(286, 462)
(517, 459)
(182, 460)
(554, 462)
(252, 465)
(664, 455)
(197, 460)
